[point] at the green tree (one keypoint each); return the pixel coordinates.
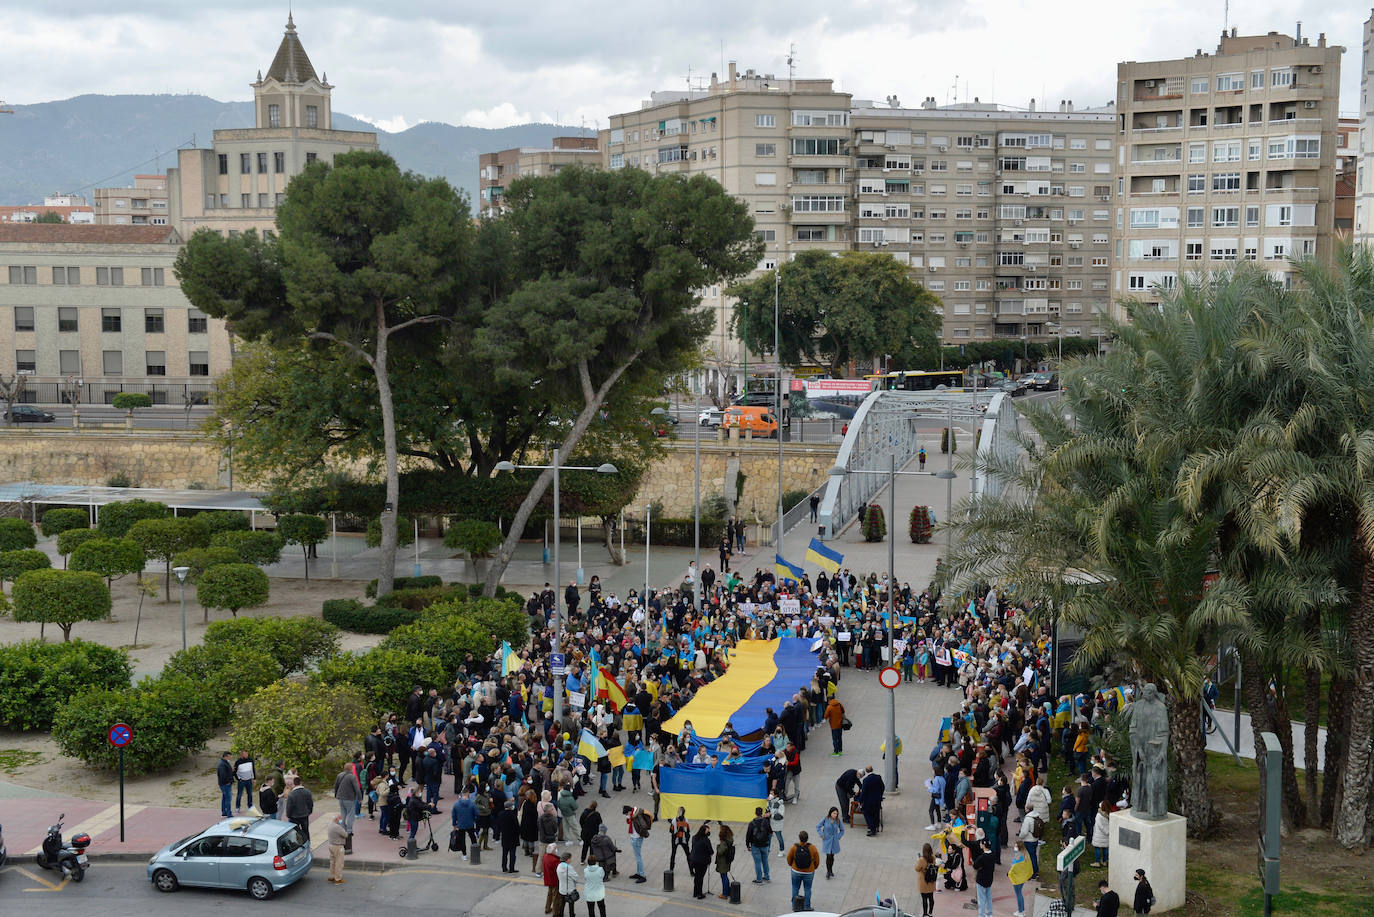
(35, 677)
(307, 531)
(49, 217)
(474, 537)
(71, 539)
(117, 518)
(60, 597)
(16, 535)
(131, 401)
(64, 518)
(232, 586)
(171, 717)
(15, 563)
(295, 643)
(384, 676)
(317, 726)
(261, 548)
(224, 520)
(405, 532)
(451, 636)
(111, 558)
(226, 673)
(163, 539)
(198, 560)
(833, 310)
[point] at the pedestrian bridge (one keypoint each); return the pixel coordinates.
(885, 426)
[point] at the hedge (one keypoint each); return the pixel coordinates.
(218, 521)
(261, 548)
(504, 618)
(35, 676)
(171, 717)
(680, 533)
(384, 676)
(57, 521)
(352, 615)
(450, 637)
(14, 563)
(295, 643)
(421, 598)
(404, 582)
(16, 535)
(117, 518)
(226, 673)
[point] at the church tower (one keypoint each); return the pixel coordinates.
(291, 95)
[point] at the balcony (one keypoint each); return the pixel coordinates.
(1156, 130)
(1304, 124)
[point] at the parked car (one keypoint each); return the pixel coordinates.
(27, 413)
(1015, 388)
(259, 855)
(711, 417)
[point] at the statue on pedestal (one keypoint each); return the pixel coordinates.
(1149, 755)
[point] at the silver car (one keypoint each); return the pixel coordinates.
(258, 855)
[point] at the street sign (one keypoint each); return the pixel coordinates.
(889, 677)
(120, 735)
(1071, 853)
(558, 663)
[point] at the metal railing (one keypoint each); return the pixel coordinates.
(57, 391)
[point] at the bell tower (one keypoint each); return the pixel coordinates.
(291, 95)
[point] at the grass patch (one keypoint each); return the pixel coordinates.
(13, 759)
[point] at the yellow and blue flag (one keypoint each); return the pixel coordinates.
(762, 674)
(712, 792)
(510, 660)
(828, 559)
(589, 747)
(616, 754)
(785, 570)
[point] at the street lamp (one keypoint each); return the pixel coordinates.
(181, 578)
(697, 596)
(1058, 330)
(839, 471)
(604, 468)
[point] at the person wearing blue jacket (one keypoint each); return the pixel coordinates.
(830, 829)
(465, 821)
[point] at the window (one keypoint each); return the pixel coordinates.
(1194, 216)
(818, 203)
(71, 276)
(1197, 184)
(23, 275)
(274, 115)
(816, 146)
(312, 116)
(23, 318)
(310, 157)
(765, 149)
(25, 361)
(278, 162)
(1252, 215)
(1197, 84)
(817, 177)
(155, 363)
(1099, 261)
(262, 199)
(820, 118)
(1078, 143)
(262, 163)
(1225, 216)
(1256, 79)
(964, 190)
(109, 276)
(1102, 145)
(1226, 181)
(1281, 76)
(153, 321)
(224, 163)
(245, 200)
(810, 233)
(1197, 152)
(245, 164)
(765, 178)
(1226, 151)
(1253, 152)
(1192, 251)
(1230, 82)
(110, 320)
(765, 120)
(1224, 251)
(66, 318)
(200, 363)
(112, 362)
(153, 277)
(766, 235)
(196, 322)
(1295, 148)
(69, 362)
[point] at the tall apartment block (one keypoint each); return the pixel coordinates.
(497, 170)
(142, 204)
(780, 145)
(1004, 214)
(1363, 231)
(1224, 157)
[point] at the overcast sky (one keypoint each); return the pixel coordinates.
(497, 64)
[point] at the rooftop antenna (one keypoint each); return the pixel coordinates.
(791, 64)
(1226, 17)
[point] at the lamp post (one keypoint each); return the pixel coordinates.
(1058, 330)
(648, 528)
(604, 468)
(181, 578)
(777, 368)
(839, 471)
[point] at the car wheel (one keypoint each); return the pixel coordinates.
(259, 888)
(164, 880)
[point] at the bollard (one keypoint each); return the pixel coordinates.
(734, 893)
(475, 853)
(798, 901)
(667, 880)
(411, 850)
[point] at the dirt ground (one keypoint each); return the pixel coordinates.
(32, 759)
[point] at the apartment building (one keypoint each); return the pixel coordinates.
(1347, 175)
(72, 208)
(1224, 157)
(1002, 213)
(780, 145)
(238, 183)
(144, 203)
(99, 307)
(497, 170)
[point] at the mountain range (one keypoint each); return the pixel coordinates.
(99, 141)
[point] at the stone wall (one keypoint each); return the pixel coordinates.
(804, 467)
(145, 458)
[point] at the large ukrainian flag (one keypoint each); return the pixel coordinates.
(785, 570)
(762, 674)
(828, 559)
(711, 792)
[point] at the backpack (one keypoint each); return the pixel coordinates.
(759, 833)
(932, 872)
(1038, 829)
(801, 860)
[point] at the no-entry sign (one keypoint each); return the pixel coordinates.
(889, 677)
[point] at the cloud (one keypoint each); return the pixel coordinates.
(393, 125)
(502, 115)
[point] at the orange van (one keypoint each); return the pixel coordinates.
(759, 421)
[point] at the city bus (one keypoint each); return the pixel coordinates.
(916, 380)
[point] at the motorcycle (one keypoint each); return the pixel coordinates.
(69, 858)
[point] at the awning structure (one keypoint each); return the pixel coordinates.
(95, 497)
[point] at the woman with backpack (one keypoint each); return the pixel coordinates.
(1144, 894)
(830, 829)
(725, 858)
(927, 872)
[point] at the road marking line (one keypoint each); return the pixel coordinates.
(101, 821)
(47, 886)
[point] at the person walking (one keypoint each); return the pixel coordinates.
(681, 837)
(464, 816)
(299, 804)
(927, 872)
(757, 838)
(815, 502)
(803, 858)
(594, 888)
(1029, 840)
(565, 893)
(699, 858)
(1108, 901)
(244, 775)
(725, 858)
(921, 456)
(984, 863)
(1144, 898)
(338, 834)
(1019, 874)
(830, 829)
(348, 790)
(834, 715)
(225, 775)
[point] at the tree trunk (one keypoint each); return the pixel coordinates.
(1185, 735)
(1350, 820)
(386, 576)
(1337, 718)
(1293, 806)
(1312, 700)
(617, 556)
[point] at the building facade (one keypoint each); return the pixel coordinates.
(99, 307)
(238, 183)
(142, 204)
(497, 170)
(72, 208)
(1225, 157)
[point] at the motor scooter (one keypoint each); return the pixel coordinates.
(69, 858)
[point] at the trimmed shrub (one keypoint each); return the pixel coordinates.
(319, 727)
(420, 599)
(295, 643)
(64, 519)
(60, 597)
(233, 586)
(920, 524)
(71, 539)
(117, 518)
(36, 676)
(16, 535)
(14, 564)
(109, 557)
(474, 537)
(198, 560)
(452, 637)
(352, 615)
(223, 520)
(128, 401)
(405, 532)
(875, 523)
(504, 619)
(404, 582)
(171, 717)
(793, 498)
(384, 676)
(260, 548)
(163, 539)
(225, 673)
(305, 530)
(948, 441)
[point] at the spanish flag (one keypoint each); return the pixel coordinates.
(828, 559)
(609, 690)
(786, 571)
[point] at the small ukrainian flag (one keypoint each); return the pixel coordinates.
(786, 571)
(828, 559)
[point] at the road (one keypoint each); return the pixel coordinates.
(155, 418)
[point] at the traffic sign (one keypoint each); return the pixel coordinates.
(120, 735)
(558, 663)
(1070, 853)
(889, 677)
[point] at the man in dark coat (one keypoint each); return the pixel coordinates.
(844, 790)
(871, 798)
(508, 831)
(299, 804)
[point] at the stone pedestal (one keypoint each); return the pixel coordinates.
(1158, 847)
